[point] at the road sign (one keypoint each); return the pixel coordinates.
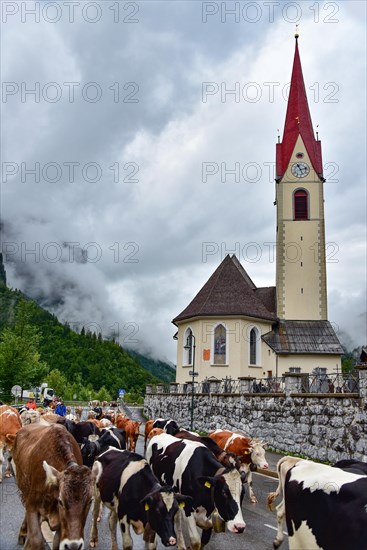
(16, 391)
(121, 393)
(193, 373)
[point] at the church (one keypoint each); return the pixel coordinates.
(234, 329)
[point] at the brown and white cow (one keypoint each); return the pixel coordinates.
(78, 413)
(54, 484)
(10, 424)
(120, 420)
(132, 433)
(250, 451)
(29, 416)
(147, 429)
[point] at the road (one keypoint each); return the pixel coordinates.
(259, 534)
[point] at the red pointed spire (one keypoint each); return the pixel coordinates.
(298, 121)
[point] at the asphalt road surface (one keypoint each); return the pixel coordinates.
(259, 534)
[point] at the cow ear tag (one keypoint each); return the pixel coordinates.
(146, 507)
(182, 505)
(207, 484)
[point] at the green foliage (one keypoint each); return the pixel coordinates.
(164, 371)
(57, 381)
(81, 364)
(103, 395)
(20, 358)
(134, 398)
(348, 362)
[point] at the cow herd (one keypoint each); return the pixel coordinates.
(186, 485)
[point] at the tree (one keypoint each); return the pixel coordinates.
(20, 361)
(57, 381)
(103, 395)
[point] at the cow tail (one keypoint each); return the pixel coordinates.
(271, 498)
(274, 495)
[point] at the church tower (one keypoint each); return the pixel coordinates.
(300, 258)
(233, 329)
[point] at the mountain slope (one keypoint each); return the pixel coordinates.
(166, 372)
(98, 362)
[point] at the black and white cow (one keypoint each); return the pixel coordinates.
(111, 437)
(128, 487)
(80, 429)
(167, 424)
(192, 469)
(352, 465)
(325, 507)
(226, 459)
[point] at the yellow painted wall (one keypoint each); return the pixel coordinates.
(238, 364)
(238, 330)
(309, 362)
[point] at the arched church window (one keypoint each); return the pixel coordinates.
(188, 347)
(255, 346)
(220, 345)
(253, 355)
(300, 204)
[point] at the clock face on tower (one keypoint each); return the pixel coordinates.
(300, 169)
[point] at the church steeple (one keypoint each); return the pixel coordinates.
(298, 123)
(301, 263)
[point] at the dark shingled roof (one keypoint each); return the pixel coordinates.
(230, 291)
(303, 337)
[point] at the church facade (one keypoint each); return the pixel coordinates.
(232, 328)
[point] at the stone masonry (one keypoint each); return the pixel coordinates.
(323, 426)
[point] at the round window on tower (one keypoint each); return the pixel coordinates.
(300, 155)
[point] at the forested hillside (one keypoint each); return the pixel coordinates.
(84, 360)
(164, 371)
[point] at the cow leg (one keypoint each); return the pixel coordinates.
(23, 531)
(1, 461)
(195, 539)
(252, 496)
(150, 538)
(205, 537)
(112, 523)
(127, 541)
(100, 512)
(56, 541)
(280, 509)
(93, 539)
(179, 532)
(9, 471)
(34, 540)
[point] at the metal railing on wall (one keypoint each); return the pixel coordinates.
(340, 383)
(331, 383)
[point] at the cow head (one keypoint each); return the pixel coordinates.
(89, 451)
(224, 491)
(160, 507)
(99, 412)
(74, 487)
(257, 449)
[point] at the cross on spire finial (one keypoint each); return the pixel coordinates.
(296, 35)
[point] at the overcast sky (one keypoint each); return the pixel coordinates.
(118, 132)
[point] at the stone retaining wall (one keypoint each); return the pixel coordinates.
(324, 426)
